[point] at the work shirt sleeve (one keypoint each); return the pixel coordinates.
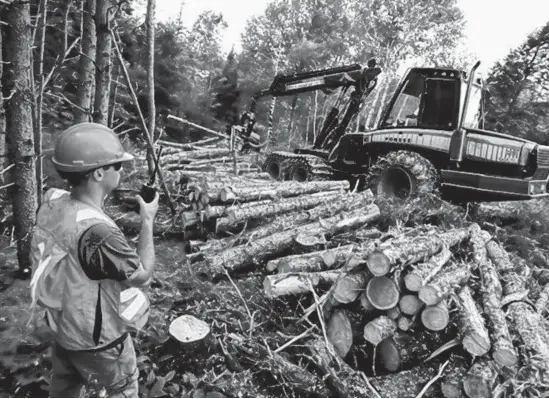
(104, 253)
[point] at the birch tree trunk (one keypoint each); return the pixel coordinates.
(3, 148)
(103, 63)
(86, 73)
(40, 102)
(151, 4)
(19, 125)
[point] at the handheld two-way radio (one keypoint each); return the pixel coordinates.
(148, 191)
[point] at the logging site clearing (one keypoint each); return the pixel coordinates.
(313, 289)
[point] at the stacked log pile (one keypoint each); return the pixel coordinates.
(406, 296)
(211, 157)
(384, 302)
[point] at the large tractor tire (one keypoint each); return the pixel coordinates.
(402, 174)
(278, 164)
(309, 167)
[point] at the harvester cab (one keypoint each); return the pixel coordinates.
(431, 135)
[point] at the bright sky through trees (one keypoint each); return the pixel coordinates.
(493, 26)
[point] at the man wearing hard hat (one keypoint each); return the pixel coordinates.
(85, 274)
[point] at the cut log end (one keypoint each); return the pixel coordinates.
(429, 295)
(435, 318)
(505, 357)
(410, 305)
(383, 293)
(379, 329)
(413, 282)
(389, 354)
(476, 344)
(378, 263)
(340, 332)
(451, 390)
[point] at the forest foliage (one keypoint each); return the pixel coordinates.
(89, 60)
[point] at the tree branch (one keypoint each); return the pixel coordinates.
(148, 137)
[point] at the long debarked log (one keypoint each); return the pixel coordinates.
(525, 321)
(415, 249)
(258, 250)
(194, 155)
(503, 351)
(259, 358)
(499, 256)
(451, 278)
(474, 335)
(423, 273)
(290, 221)
(296, 283)
(239, 214)
(531, 328)
(311, 262)
(286, 189)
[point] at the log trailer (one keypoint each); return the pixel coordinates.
(430, 137)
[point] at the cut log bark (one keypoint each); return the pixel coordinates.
(348, 288)
(451, 384)
(436, 317)
(342, 379)
(257, 251)
(256, 356)
(296, 283)
(340, 332)
(424, 272)
(383, 293)
(503, 351)
(407, 383)
(404, 350)
(451, 278)
(311, 262)
(410, 304)
(285, 189)
(543, 299)
(379, 329)
(530, 326)
(404, 252)
(473, 332)
(480, 380)
(499, 256)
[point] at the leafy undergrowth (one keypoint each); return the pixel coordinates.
(237, 309)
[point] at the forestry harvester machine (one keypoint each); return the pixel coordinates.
(430, 137)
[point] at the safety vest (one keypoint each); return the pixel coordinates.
(84, 314)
